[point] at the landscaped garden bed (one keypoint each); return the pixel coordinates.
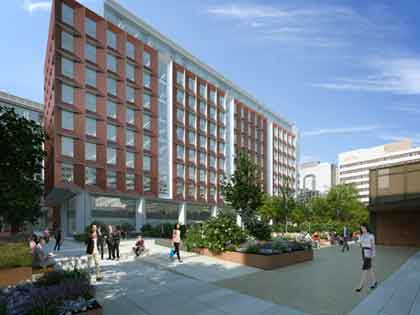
(55, 293)
(15, 263)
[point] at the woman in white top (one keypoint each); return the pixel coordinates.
(367, 242)
(176, 240)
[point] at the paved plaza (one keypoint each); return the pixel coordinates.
(203, 285)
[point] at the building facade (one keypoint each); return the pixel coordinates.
(316, 178)
(354, 165)
(140, 130)
(395, 204)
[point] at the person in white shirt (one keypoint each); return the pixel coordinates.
(367, 242)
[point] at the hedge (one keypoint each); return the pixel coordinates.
(15, 255)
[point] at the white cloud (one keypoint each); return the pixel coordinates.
(415, 138)
(33, 6)
(397, 76)
(343, 130)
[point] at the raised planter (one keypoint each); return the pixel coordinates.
(95, 311)
(13, 276)
(266, 262)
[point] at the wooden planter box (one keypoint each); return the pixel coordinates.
(266, 262)
(13, 276)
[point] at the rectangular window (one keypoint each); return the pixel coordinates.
(147, 143)
(67, 172)
(130, 94)
(147, 183)
(191, 155)
(147, 121)
(90, 52)
(111, 132)
(222, 132)
(90, 102)
(212, 177)
(202, 91)
(221, 164)
(67, 120)
(191, 120)
(212, 145)
(191, 84)
(130, 181)
(90, 176)
(147, 101)
(111, 39)
(147, 163)
(180, 78)
(213, 114)
(213, 130)
(111, 86)
(180, 115)
(180, 134)
(221, 148)
(67, 67)
(67, 14)
(111, 179)
(179, 188)
(111, 109)
(90, 77)
(202, 175)
(203, 125)
(191, 101)
(212, 162)
(130, 50)
(111, 156)
(67, 146)
(130, 116)
(147, 60)
(111, 62)
(67, 93)
(203, 158)
(90, 151)
(222, 100)
(191, 137)
(203, 192)
(130, 71)
(180, 152)
(130, 136)
(203, 108)
(147, 79)
(222, 117)
(191, 172)
(90, 27)
(129, 159)
(203, 142)
(180, 97)
(91, 127)
(180, 170)
(213, 96)
(67, 41)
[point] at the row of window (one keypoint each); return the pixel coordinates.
(192, 191)
(90, 29)
(193, 172)
(67, 174)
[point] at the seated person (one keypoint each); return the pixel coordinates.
(139, 247)
(40, 258)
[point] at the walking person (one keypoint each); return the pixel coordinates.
(92, 251)
(101, 241)
(58, 235)
(367, 242)
(116, 237)
(110, 242)
(345, 239)
(176, 240)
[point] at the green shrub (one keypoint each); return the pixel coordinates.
(260, 230)
(163, 230)
(194, 237)
(252, 249)
(15, 255)
(81, 237)
(127, 227)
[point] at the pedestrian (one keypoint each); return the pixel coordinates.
(116, 236)
(40, 256)
(101, 241)
(110, 242)
(58, 239)
(92, 251)
(176, 240)
(367, 242)
(345, 239)
(139, 247)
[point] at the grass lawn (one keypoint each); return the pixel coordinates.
(324, 286)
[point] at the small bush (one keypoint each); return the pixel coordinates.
(15, 255)
(252, 249)
(260, 230)
(194, 238)
(163, 230)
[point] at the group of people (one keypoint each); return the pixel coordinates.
(112, 239)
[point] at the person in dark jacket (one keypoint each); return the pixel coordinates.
(110, 242)
(58, 235)
(116, 236)
(92, 250)
(101, 241)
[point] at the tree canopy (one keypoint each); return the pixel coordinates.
(21, 185)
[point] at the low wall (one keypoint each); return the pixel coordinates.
(266, 262)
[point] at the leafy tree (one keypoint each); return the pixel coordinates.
(21, 186)
(242, 190)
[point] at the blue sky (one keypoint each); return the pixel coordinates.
(346, 72)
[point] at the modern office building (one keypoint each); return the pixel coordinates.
(142, 131)
(354, 165)
(316, 178)
(24, 107)
(395, 204)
